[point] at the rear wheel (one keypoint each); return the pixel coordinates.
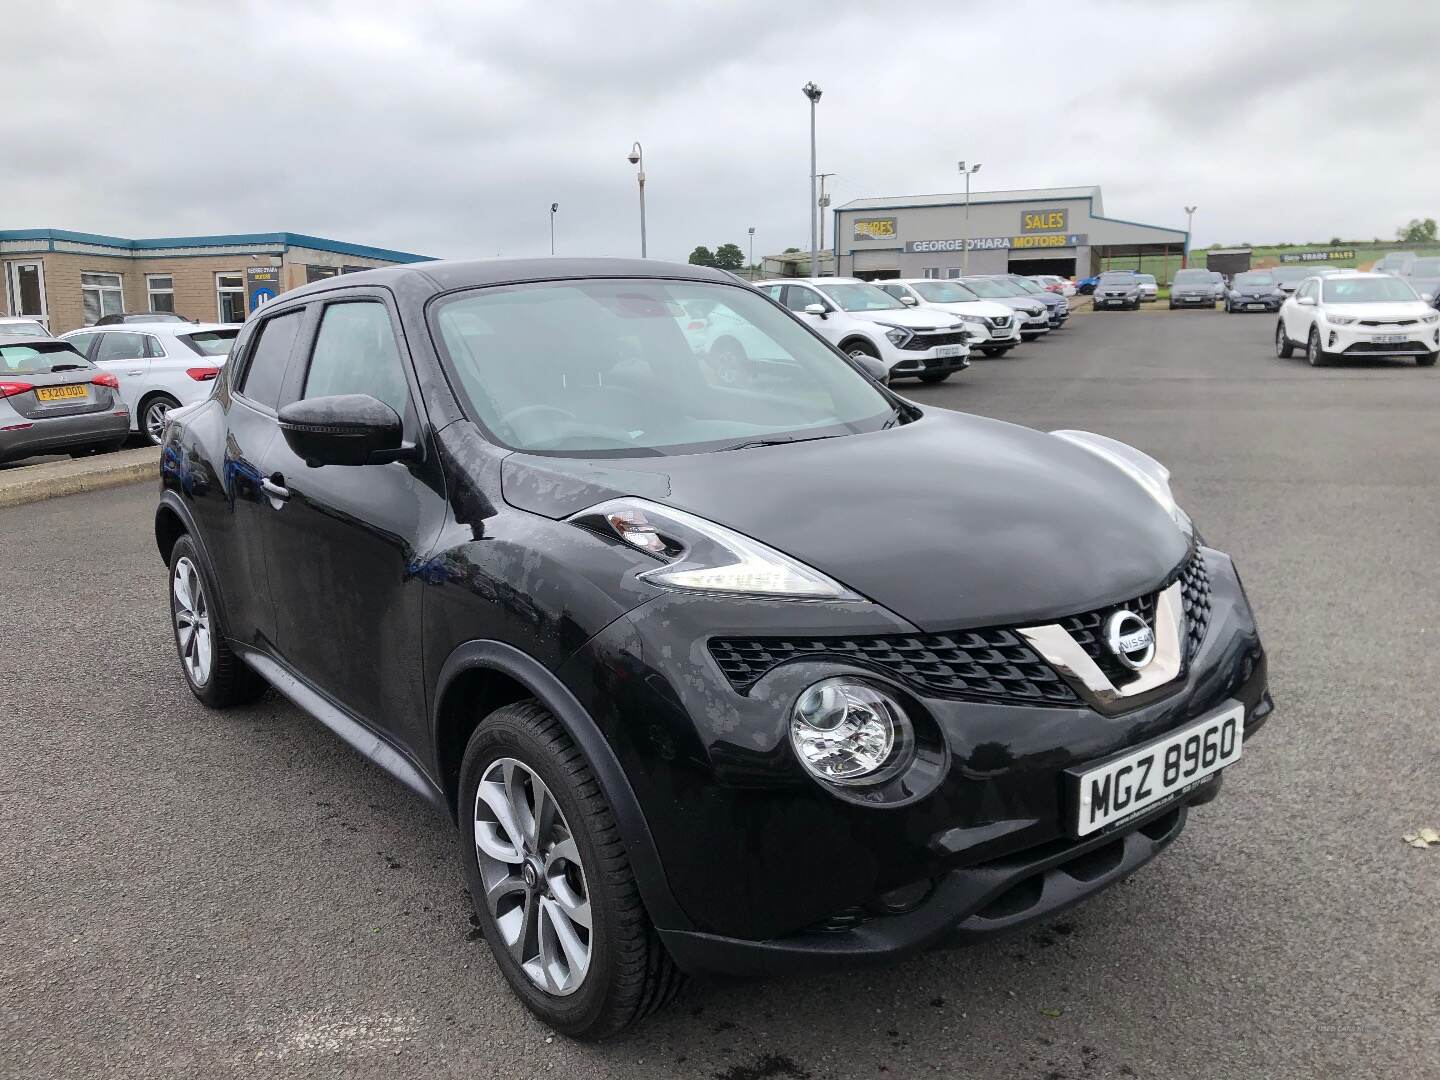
(1317, 356)
(935, 377)
(1284, 349)
(153, 411)
(551, 882)
(215, 675)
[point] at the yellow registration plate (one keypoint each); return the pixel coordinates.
(60, 393)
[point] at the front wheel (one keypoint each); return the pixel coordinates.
(215, 675)
(1427, 359)
(1317, 356)
(551, 881)
(997, 350)
(153, 415)
(935, 377)
(1284, 349)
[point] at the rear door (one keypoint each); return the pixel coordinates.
(125, 355)
(346, 544)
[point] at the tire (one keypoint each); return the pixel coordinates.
(1284, 347)
(626, 974)
(997, 350)
(1172, 307)
(215, 675)
(1427, 359)
(151, 417)
(861, 348)
(935, 377)
(730, 363)
(1316, 356)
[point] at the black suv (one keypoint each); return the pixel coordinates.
(710, 678)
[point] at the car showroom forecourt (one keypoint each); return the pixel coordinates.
(680, 725)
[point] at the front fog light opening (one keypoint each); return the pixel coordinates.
(848, 732)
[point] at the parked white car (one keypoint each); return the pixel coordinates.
(993, 327)
(1357, 315)
(160, 365)
(1149, 288)
(19, 326)
(1055, 283)
(866, 321)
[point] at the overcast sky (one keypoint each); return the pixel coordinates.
(450, 128)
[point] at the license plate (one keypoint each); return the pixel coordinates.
(1139, 779)
(948, 350)
(1254, 307)
(60, 393)
(1388, 339)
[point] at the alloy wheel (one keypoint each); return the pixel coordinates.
(1312, 348)
(535, 886)
(155, 416)
(192, 621)
(1280, 339)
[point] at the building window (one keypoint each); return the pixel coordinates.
(161, 290)
(230, 297)
(930, 272)
(102, 295)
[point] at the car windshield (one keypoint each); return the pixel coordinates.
(1192, 277)
(1145, 279)
(1346, 289)
(23, 329)
(1118, 277)
(1253, 280)
(860, 297)
(990, 287)
(603, 368)
(211, 342)
(944, 292)
(41, 358)
(1292, 275)
(1028, 286)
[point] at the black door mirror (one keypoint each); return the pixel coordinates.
(347, 429)
(877, 369)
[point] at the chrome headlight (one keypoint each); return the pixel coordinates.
(1136, 464)
(1433, 317)
(848, 731)
(897, 335)
(1341, 320)
(971, 318)
(703, 556)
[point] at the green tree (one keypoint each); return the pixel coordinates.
(791, 251)
(1417, 231)
(729, 257)
(1335, 241)
(702, 256)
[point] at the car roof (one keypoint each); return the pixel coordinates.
(163, 329)
(19, 318)
(445, 275)
(815, 281)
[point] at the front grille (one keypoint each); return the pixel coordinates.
(995, 665)
(922, 340)
(1386, 350)
(1001, 322)
(1388, 322)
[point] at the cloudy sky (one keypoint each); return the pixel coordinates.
(449, 128)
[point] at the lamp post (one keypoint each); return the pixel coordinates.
(554, 206)
(965, 257)
(752, 252)
(1189, 222)
(637, 158)
(811, 91)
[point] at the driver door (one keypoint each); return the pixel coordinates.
(798, 297)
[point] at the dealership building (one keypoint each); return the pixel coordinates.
(1061, 231)
(70, 279)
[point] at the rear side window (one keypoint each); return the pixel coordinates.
(355, 353)
(269, 358)
(81, 342)
(121, 347)
(211, 342)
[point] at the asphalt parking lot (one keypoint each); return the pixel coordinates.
(188, 893)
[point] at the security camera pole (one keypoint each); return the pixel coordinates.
(637, 158)
(812, 92)
(554, 206)
(965, 256)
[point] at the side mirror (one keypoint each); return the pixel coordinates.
(815, 309)
(1306, 301)
(909, 301)
(877, 369)
(347, 429)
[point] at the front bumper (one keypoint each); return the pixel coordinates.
(927, 363)
(1256, 303)
(1192, 299)
(1361, 341)
(1116, 301)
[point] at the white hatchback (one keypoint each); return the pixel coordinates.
(1357, 316)
(160, 365)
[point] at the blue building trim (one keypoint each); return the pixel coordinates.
(285, 239)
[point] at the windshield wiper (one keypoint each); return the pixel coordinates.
(774, 442)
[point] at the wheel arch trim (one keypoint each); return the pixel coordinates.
(664, 910)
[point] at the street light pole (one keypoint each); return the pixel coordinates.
(637, 158)
(752, 252)
(811, 91)
(1189, 223)
(823, 204)
(965, 256)
(554, 206)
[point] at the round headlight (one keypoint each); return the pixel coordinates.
(846, 731)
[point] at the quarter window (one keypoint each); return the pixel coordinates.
(356, 353)
(160, 290)
(102, 295)
(269, 357)
(230, 297)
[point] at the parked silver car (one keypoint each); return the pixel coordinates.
(53, 400)
(19, 326)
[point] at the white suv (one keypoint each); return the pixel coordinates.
(993, 327)
(160, 365)
(867, 321)
(1357, 315)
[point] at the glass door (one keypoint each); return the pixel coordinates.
(25, 290)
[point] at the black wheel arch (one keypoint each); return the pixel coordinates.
(500, 673)
(860, 339)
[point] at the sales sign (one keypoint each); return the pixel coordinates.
(875, 228)
(1317, 256)
(1038, 221)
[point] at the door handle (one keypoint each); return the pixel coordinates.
(136, 371)
(277, 492)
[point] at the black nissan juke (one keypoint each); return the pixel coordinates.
(711, 678)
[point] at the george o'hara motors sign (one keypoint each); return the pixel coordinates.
(999, 243)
